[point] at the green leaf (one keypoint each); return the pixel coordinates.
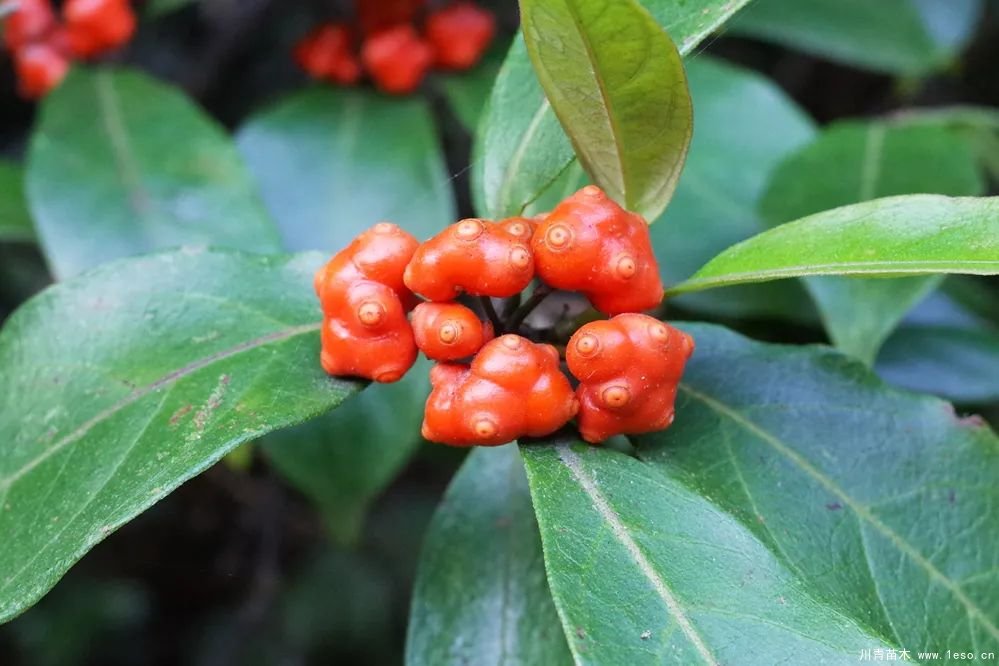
(481, 596)
(331, 163)
(468, 92)
(796, 506)
(874, 159)
(948, 345)
(15, 221)
(731, 158)
(917, 234)
(344, 459)
(894, 36)
(616, 82)
(958, 364)
(118, 386)
(521, 149)
(121, 165)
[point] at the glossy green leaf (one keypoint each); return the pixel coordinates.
(871, 160)
(331, 163)
(481, 596)
(468, 92)
(122, 165)
(918, 234)
(118, 386)
(617, 85)
(715, 206)
(895, 36)
(15, 221)
(521, 149)
(797, 506)
(344, 459)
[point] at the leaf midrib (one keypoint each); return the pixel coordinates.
(600, 504)
(861, 511)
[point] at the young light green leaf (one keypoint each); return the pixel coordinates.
(616, 82)
(120, 165)
(894, 36)
(870, 160)
(731, 157)
(521, 149)
(796, 506)
(15, 221)
(917, 234)
(481, 596)
(344, 459)
(118, 386)
(331, 163)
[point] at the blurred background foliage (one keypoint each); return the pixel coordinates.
(303, 548)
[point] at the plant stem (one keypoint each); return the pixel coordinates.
(518, 317)
(487, 306)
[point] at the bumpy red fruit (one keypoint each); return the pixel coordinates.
(327, 53)
(473, 256)
(40, 67)
(629, 368)
(365, 331)
(94, 27)
(397, 59)
(459, 34)
(31, 22)
(591, 245)
(512, 389)
(449, 331)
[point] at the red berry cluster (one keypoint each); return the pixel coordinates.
(43, 45)
(627, 367)
(392, 49)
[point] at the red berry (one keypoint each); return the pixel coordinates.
(512, 389)
(30, 22)
(397, 59)
(328, 53)
(629, 368)
(460, 33)
(591, 245)
(40, 67)
(94, 27)
(365, 331)
(449, 331)
(473, 256)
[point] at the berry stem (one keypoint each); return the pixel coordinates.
(540, 293)
(487, 306)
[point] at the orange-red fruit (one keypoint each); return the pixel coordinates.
(30, 22)
(629, 368)
(591, 245)
(375, 15)
(327, 53)
(512, 389)
(94, 27)
(459, 34)
(473, 256)
(449, 331)
(397, 59)
(40, 67)
(365, 331)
